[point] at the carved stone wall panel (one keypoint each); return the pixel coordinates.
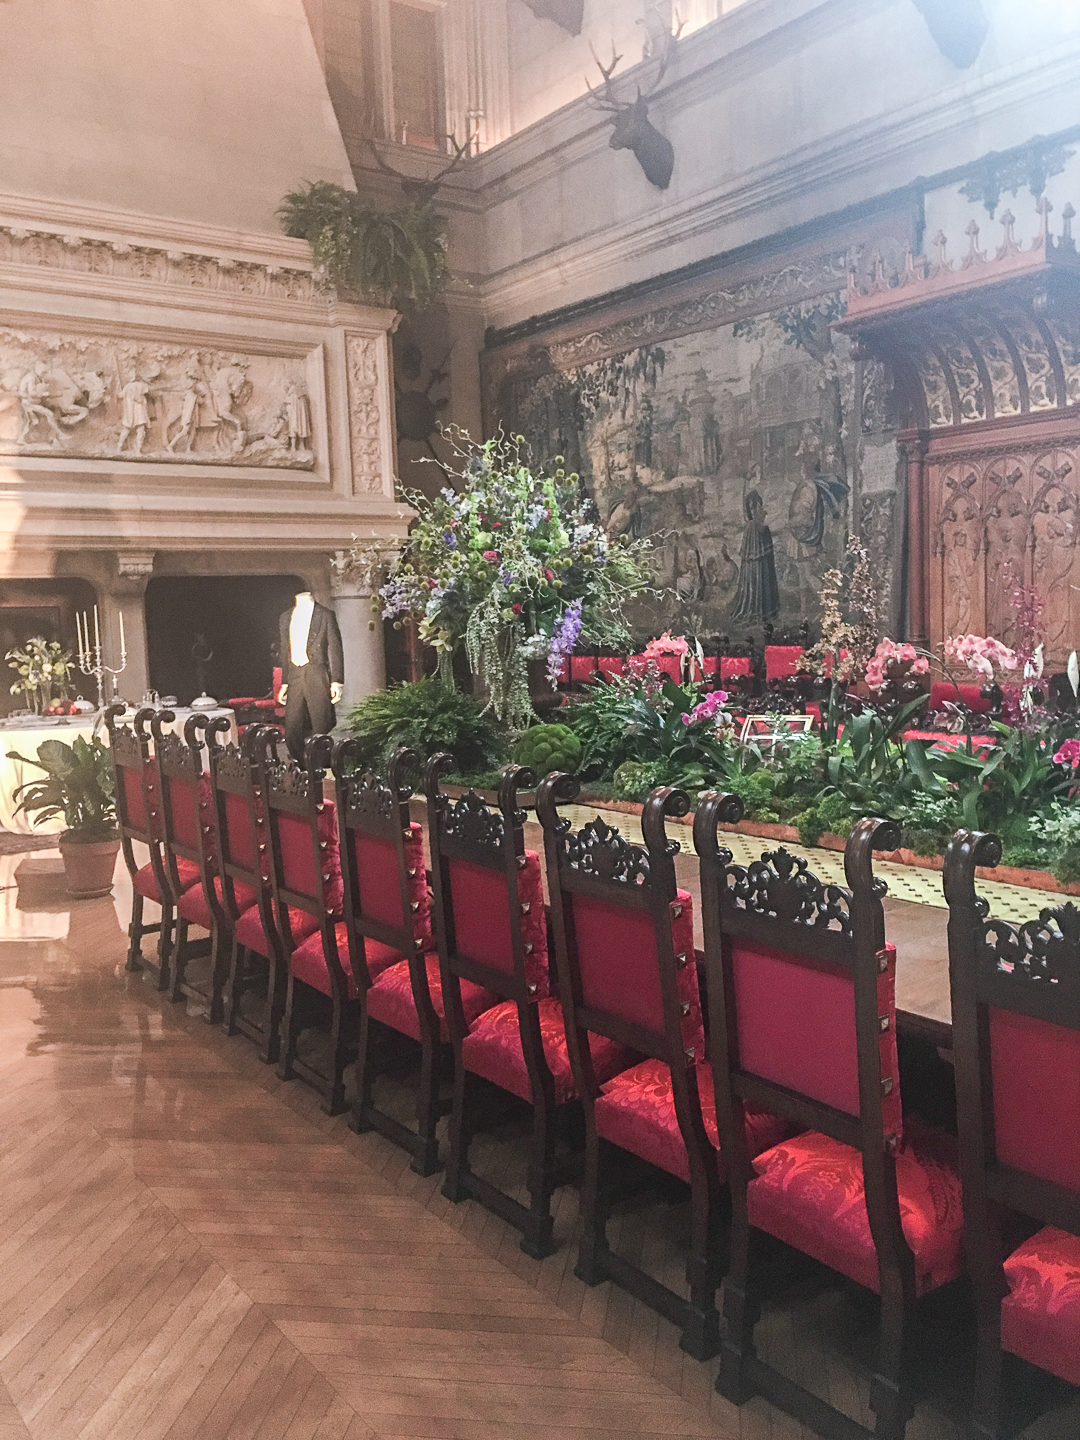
(81, 395)
(365, 418)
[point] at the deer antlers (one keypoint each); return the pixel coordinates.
(424, 191)
(630, 118)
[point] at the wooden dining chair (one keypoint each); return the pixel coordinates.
(491, 932)
(624, 945)
(138, 816)
(256, 954)
(801, 986)
(306, 876)
(384, 944)
(189, 838)
(1016, 1047)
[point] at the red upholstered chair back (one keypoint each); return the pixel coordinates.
(303, 838)
(624, 938)
(802, 1000)
(734, 665)
(385, 893)
(488, 900)
(1016, 1039)
(187, 817)
(942, 691)
(138, 810)
(782, 661)
(237, 784)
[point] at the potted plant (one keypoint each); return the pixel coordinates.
(78, 785)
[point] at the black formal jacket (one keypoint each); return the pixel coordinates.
(323, 646)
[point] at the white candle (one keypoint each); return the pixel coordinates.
(78, 632)
(97, 634)
(123, 647)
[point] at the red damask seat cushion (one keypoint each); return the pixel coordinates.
(308, 961)
(390, 1000)
(637, 1112)
(809, 1193)
(250, 933)
(493, 1049)
(1040, 1317)
(193, 904)
(145, 881)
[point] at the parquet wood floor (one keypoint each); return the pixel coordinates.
(190, 1250)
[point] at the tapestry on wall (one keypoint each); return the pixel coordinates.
(750, 449)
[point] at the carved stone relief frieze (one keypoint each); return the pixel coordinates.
(365, 416)
(117, 259)
(92, 396)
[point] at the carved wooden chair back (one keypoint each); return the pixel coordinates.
(237, 786)
(1016, 1045)
(138, 811)
(624, 943)
(801, 987)
(381, 850)
(490, 924)
(303, 841)
(187, 818)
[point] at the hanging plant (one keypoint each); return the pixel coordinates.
(391, 257)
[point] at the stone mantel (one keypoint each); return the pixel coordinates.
(171, 387)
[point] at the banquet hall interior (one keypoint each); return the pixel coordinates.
(540, 729)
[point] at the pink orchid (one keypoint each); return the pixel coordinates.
(707, 708)
(491, 556)
(921, 666)
(667, 644)
(1069, 754)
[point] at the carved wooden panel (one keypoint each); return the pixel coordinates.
(998, 520)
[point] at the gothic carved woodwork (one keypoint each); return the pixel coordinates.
(365, 416)
(984, 354)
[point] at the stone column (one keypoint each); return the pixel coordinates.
(361, 628)
(126, 596)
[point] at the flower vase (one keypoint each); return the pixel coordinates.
(544, 697)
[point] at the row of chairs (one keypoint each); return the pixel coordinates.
(776, 1098)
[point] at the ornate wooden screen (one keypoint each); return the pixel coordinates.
(985, 355)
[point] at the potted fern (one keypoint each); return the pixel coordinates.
(78, 785)
(389, 257)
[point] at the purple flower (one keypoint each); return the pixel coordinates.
(706, 709)
(449, 539)
(506, 576)
(564, 636)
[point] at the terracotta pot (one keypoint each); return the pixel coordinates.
(88, 867)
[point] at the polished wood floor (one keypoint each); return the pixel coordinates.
(189, 1248)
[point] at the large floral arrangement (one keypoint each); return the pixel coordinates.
(43, 672)
(514, 566)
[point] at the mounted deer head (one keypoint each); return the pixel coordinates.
(422, 192)
(633, 130)
(567, 13)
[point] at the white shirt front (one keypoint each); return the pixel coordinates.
(300, 627)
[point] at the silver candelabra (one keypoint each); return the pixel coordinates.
(90, 661)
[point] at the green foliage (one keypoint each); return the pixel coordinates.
(43, 672)
(429, 716)
(601, 720)
(634, 779)
(545, 748)
(393, 257)
(78, 785)
(1016, 776)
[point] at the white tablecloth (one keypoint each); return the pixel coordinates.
(26, 734)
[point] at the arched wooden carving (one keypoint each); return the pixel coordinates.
(985, 356)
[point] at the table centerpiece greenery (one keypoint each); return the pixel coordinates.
(43, 673)
(513, 566)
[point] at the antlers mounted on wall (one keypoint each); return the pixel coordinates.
(633, 130)
(423, 191)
